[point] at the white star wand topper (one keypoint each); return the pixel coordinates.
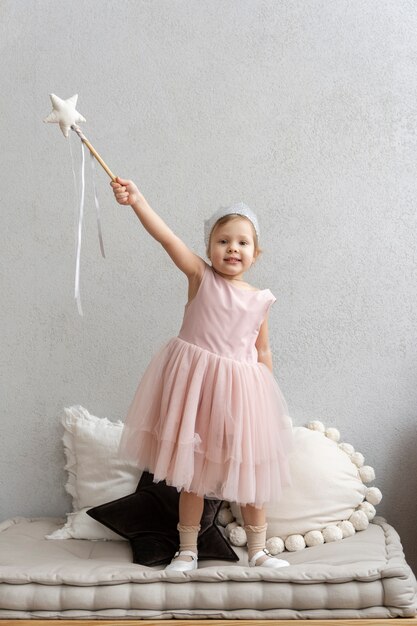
(65, 114)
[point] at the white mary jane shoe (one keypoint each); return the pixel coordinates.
(183, 566)
(271, 562)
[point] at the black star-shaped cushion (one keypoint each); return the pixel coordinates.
(148, 518)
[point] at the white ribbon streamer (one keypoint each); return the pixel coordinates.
(80, 224)
(76, 190)
(97, 207)
(78, 232)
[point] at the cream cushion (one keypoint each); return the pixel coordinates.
(326, 487)
(95, 472)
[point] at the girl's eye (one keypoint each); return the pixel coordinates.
(224, 241)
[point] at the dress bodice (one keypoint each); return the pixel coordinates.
(225, 319)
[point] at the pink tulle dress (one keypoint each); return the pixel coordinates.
(207, 417)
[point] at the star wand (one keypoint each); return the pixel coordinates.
(65, 114)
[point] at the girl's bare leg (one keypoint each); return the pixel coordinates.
(252, 515)
(190, 508)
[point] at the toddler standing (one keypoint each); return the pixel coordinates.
(208, 416)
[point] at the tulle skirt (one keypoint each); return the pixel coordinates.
(211, 425)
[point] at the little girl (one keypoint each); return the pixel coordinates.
(208, 416)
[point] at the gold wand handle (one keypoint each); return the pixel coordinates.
(94, 152)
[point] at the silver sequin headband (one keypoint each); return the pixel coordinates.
(240, 209)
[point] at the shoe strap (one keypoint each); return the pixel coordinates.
(259, 554)
(186, 553)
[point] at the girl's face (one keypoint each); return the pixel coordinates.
(233, 240)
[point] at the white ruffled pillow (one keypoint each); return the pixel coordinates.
(95, 473)
(327, 500)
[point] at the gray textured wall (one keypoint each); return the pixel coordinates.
(306, 110)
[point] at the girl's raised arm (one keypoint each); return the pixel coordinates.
(185, 259)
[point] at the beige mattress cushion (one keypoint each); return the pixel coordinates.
(362, 576)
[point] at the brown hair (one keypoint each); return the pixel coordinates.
(229, 218)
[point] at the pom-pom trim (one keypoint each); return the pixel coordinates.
(359, 520)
